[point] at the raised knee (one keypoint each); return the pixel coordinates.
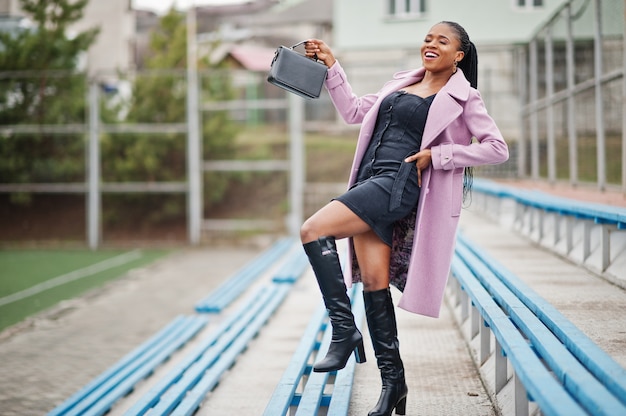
(307, 232)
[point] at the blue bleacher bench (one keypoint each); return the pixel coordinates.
(97, 397)
(294, 395)
(559, 367)
(589, 234)
(293, 267)
(232, 288)
(182, 390)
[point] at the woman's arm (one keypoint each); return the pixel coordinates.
(351, 107)
(488, 149)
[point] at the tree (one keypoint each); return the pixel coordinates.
(40, 84)
(159, 96)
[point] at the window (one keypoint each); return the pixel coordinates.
(529, 4)
(406, 8)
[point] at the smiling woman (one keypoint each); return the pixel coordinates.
(419, 134)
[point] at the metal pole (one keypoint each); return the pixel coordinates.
(534, 122)
(194, 152)
(571, 103)
(550, 108)
(93, 174)
(522, 153)
(597, 58)
(297, 164)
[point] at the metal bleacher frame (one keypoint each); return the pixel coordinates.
(589, 234)
(540, 362)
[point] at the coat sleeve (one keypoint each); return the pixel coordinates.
(488, 149)
(351, 107)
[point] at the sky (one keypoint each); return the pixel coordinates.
(162, 6)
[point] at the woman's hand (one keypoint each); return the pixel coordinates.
(422, 160)
(317, 47)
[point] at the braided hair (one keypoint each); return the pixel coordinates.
(469, 66)
(469, 63)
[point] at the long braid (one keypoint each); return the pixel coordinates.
(469, 66)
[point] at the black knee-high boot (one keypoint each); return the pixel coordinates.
(381, 321)
(346, 337)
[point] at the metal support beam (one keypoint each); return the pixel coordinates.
(556, 230)
(475, 322)
(465, 303)
(571, 102)
(522, 150)
(93, 172)
(605, 247)
(457, 292)
(549, 56)
(194, 148)
(598, 71)
(569, 234)
(587, 226)
(521, 398)
(485, 343)
(534, 122)
(298, 168)
(500, 368)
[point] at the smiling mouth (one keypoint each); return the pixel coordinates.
(431, 55)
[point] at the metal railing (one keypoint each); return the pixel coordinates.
(590, 235)
(572, 92)
(94, 127)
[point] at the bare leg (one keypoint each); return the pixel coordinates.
(374, 257)
(336, 220)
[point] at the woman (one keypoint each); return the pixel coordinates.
(405, 193)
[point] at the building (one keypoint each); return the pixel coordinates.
(375, 40)
(114, 46)
(386, 37)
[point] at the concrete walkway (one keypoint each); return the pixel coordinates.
(49, 358)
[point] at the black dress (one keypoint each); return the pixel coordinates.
(386, 188)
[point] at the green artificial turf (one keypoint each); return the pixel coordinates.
(34, 280)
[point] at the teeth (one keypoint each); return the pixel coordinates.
(430, 55)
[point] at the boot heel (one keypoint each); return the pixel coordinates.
(401, 407)
(359, 353)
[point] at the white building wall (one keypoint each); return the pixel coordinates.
(113, 48)
(372, 46)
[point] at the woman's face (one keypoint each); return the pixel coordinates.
(441, 48)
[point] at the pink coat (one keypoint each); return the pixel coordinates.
(457, 115)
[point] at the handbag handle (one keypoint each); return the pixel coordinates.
(301, 43)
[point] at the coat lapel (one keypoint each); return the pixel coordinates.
(446, 107)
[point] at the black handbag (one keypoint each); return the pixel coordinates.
(296, 73)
